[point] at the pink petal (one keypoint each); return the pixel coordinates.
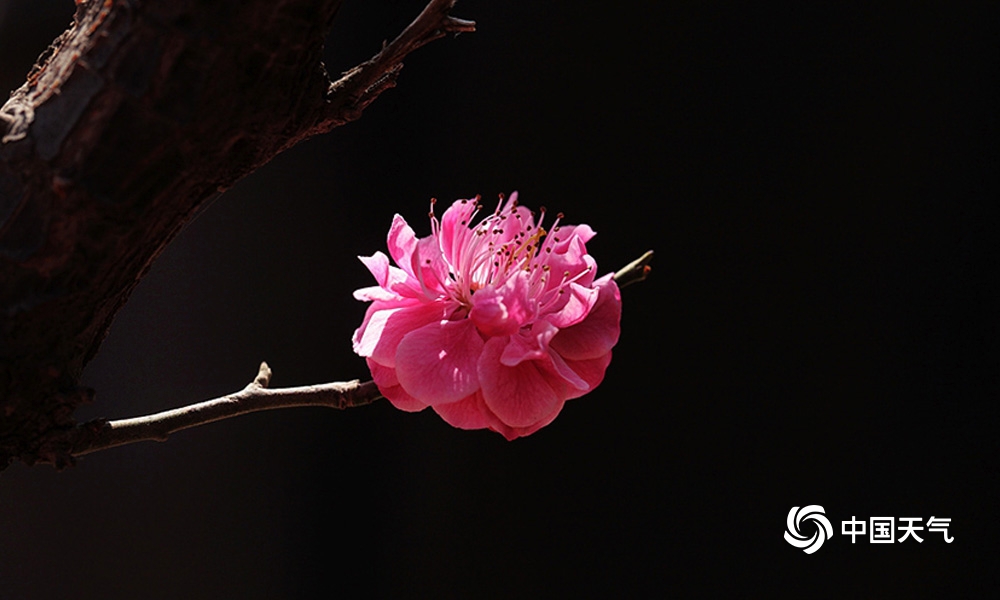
(590, 371)
(378, 264)
(516, 293)
(429, 267)
(567, 232)
(501, 311)
(436, 363)
(519, 396)
(382, 375)
(455, 228)
(472, 413)
(384, 327)
(490, 314)
(468, 413)
(388, 384)
(368, 294)
(364, 345)
(402, 242)
(389, 278)
(568, 375)
(530, 345)
(571, 258)
(525, 431)
(598, 333)
(512, 433)
(579, 301)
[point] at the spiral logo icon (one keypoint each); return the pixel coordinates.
(794, 534)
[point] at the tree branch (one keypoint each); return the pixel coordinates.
(357, 88)
(131, 123)
(101, 434)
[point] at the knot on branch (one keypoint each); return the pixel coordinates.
(263, 378)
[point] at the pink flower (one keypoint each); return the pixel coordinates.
(493, 325)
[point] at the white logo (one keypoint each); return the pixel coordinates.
(808, 513)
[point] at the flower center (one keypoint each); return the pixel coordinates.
(508, 243)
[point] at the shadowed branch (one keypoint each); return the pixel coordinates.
(357, 88)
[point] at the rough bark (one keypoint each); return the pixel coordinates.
(136, 117)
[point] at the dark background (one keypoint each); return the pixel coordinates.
(820, 186)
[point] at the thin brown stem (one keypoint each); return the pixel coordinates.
(357, 88)
(636, 271)
(255, 397)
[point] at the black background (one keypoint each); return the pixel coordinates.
(819, 182)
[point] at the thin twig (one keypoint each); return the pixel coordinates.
(100, 435)
(255, 397)
(357, 88)
(634, 272)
